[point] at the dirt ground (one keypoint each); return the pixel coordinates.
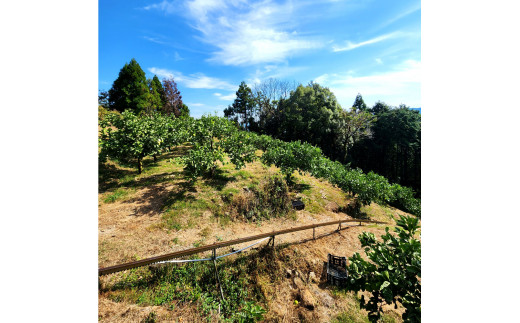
(130, 230)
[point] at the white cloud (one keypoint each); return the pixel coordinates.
(165, 6)
(379, 61)
(155, 40)
(415, 7)
(399, 85)
(195, 104)
(228, 97)
(351, 45)
(194, 81)
(244, 33)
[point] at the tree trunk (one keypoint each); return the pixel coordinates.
(154, 158)
(139, 165)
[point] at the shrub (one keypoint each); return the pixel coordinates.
(271, 199)
(392, 272)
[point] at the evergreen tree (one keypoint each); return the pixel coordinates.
(156, 94)
(380, 107)
(103, 99)
(243, 108)
(185, 111)
(130, 89)
(359, 104)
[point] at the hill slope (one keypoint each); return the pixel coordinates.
(159, 212)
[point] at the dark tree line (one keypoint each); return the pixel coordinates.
(382, 139)
(394, 149)
(133, 91)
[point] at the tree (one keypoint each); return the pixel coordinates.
(310, 113)
(267, 95)
(172, 98)
(156, 94)
(359, 104)
(393, 271)
(133, 139)
(379, 107)
(353, 126)
(243, 108)
(212, 139)
(394, 149)
(103, 99)
(130, 89)
(185, 111)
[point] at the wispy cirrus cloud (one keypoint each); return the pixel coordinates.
(166, 6)
(228, 97)
(350, 45)
(244, 33)
(403, 81)
(414, 8)
(194, 81)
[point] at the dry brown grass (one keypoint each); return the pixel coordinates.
(136, 226)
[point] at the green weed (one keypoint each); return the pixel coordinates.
(118, 194)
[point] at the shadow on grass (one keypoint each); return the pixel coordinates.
(299, 187)
(109, 176)
(158, 197)
(219, 180)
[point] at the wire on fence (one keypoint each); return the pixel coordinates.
(206, 259)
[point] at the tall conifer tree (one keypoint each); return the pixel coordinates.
(130, 89)
(242, 109)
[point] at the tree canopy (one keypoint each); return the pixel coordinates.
(172, 98)
(359, 104)
(243, 108)
(130, 89)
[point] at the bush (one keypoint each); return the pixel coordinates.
(270, 200)
(392, 273)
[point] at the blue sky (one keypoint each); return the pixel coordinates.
(210, 46)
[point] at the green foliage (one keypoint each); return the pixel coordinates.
(242, 109)
(359, 104)
(393, 271)
(185, 111)
(202, 160)
(239, 148)
(394, 148)
(251, 312)
(127, 137)
(195, 283)
(213, 138)
(151, 318)
(133, 137)
(291, 156)
(371, 187)
(353, 126)
(309, 112)
(130, 89)
(103, 99)
(156, 97)
(116, 195)
(269, 200)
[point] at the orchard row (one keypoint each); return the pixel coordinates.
(129, 139)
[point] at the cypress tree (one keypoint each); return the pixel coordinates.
(359, 104)
(242, 107)
(156, 94)
(130, 89)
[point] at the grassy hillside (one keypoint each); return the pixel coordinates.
(161, 211)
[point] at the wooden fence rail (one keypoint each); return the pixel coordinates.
(192, 251)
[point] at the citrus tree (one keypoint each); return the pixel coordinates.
(213, 138)
(129, 138)
(392, 272)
